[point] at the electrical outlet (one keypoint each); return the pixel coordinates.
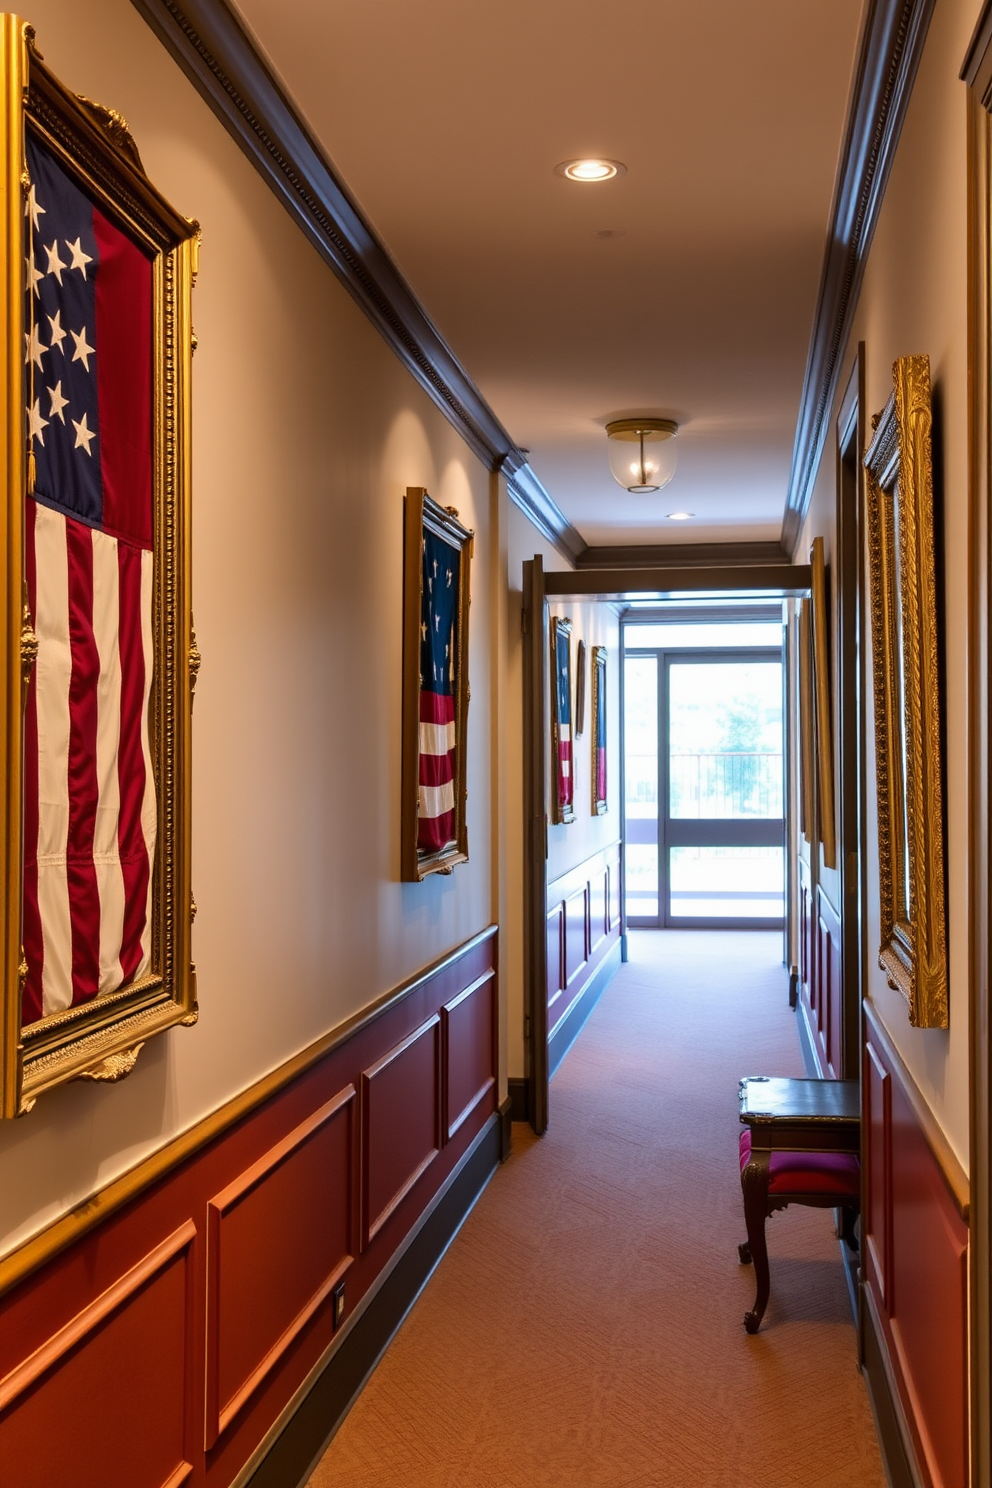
(338, 1295)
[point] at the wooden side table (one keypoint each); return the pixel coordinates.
(820, 1119)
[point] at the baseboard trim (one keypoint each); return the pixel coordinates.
(890, 1421)
(519, 1094)
(327, 1399)
(570, 1026)
(505, 1114)
(806, 1045)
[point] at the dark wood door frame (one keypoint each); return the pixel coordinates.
(850, 630)
(535, 653)
(773, 581)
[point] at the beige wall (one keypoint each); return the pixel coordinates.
(914, 299)
(523, 542)
(307, 430)
(571, 843)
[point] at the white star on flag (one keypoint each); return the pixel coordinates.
(36, 423)
(58, 334)
(32, 209)
(79, 258)
(55, 264)
(83, 435)
(58, 402)
(35, 350)
(83, 352)
(31, 276)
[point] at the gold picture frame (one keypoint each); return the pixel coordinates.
(437, 552)
(905, 667)
(562, 715)
(600, 749)
(823, 733)
(99, 1035)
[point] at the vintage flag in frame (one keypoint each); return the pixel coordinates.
(99, 654)
(437, 558)
(563, 785)
(599, 805)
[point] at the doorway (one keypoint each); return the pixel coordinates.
(704, 779)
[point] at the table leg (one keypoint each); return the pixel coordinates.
(754, 1185)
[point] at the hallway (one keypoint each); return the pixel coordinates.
(585, 1325)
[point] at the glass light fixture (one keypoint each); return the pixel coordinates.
(590, 169)
(642, 453)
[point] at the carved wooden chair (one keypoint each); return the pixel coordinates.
(770, 1181)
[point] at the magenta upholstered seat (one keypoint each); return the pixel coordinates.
(829, 1173)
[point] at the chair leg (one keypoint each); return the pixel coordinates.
(754, 1184)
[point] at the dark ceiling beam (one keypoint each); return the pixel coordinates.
(219, 57)
(684, 555)
(775, 580)
(891, 47)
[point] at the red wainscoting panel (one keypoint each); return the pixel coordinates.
(556, 952)
(876, 1098)
(576, 934)
(584, 915)
(916, 1214)
(828, 984)
(599, 909)
(470, 1030)
(401, 1123)
(279, 1239)
(162, 1346)
(821, 993)
(806, 933)
(104, 1400)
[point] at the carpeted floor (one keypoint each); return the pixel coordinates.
(585, 1326)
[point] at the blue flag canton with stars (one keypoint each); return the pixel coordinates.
(61, 261)
(439, 598)
(564, 690)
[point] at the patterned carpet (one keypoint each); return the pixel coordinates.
(586, 1325)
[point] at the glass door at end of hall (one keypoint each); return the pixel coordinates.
(704, 825)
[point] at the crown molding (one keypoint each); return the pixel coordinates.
(218, 55)
(891, 47)
(527, 492)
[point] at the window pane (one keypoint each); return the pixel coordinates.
(641, 784)
(728, 882)
(725, 739)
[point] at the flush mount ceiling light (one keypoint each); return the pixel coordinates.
(642, 453)
(679, 516)
(590, 169)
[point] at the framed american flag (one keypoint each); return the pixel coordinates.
(599, 802)
(563, 784)
(98, 652)
(437, 559)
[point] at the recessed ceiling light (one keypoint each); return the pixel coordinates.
(680, 516)
(590, 169)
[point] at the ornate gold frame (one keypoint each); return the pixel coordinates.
(423, 514)
(905, 657)
(599, 806)
(100, 1039)
(561, 635)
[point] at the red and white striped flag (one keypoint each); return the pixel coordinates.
(436, 822)
(89, 801)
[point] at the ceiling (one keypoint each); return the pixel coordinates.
(686, 288)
